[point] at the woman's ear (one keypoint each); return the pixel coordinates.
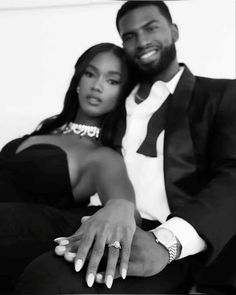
(175, 32)
(77, 89)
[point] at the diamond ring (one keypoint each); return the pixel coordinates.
(116, 244)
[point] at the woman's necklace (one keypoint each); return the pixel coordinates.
(79, 129)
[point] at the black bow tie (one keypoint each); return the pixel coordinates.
(155, 126)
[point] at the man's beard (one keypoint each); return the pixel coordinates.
(168, 54)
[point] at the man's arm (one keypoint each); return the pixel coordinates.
(212, 211)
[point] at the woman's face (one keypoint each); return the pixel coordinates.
(100, 85)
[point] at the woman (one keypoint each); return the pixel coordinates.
(46, 178)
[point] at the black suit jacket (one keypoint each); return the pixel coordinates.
(200, 158)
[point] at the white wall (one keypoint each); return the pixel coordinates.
(42, 39)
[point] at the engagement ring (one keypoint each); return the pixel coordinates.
(116, 244)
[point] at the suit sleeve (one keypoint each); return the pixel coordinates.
(213, 210)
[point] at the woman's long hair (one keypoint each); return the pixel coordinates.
(71, 102)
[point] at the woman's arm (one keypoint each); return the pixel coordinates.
(110, 176)
(114, 222)
(111, 180)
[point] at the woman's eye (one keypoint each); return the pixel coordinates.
(113, 82)
(88, 74)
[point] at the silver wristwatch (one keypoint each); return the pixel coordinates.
(167, 239)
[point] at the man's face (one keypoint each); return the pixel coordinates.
(148, 38)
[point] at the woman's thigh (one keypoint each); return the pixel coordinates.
(50, 274)
(28, 230)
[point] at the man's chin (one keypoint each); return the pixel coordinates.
(148, 64)
(148, 68)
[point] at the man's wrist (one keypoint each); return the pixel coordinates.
(188, 237)
(169, 241)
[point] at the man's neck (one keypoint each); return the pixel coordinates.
(165, 76)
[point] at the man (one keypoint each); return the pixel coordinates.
(180, 146)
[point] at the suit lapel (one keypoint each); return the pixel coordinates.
(179, 160)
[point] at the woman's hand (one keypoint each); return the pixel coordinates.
(111, 224)
(147, 257)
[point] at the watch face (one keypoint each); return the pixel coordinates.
(165, 237)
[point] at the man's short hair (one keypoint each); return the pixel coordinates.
(130, 5)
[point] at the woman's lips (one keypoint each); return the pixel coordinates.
(94, 100)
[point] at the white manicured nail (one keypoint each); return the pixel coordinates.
(60, 250)
(90, 279)
(83, 219)
(99, 278)
(61, 241)
(123, 273)
(78, 265)
(64, 242)
(109, 281)
(69, 256)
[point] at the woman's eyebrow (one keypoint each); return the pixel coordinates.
(114, 73)
(111, 72)
(92, 67)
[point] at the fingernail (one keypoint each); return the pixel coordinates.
(64, 242)
(123, 273)
(69, 256)
(109, 281)
(60, 250)
(90, 279)
(99, 277)
(78, 265)
(84, 218)
(61, 241)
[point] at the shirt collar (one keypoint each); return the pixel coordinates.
(171, 85)
(160, 88)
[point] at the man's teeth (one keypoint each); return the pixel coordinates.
(147, 55)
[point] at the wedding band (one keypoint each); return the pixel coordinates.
(116, 244)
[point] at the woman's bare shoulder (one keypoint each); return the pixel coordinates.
(105, 151)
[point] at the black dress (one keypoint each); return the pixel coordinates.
(38, 174)
(36, 203)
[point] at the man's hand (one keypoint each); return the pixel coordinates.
(147, 257)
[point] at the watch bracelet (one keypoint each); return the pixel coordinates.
(172, 253)
(175, 251)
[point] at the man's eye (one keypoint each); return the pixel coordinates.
(151, 29)
(127, 38)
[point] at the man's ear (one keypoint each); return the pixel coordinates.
(175, 32)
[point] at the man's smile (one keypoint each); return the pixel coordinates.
(147, 56)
